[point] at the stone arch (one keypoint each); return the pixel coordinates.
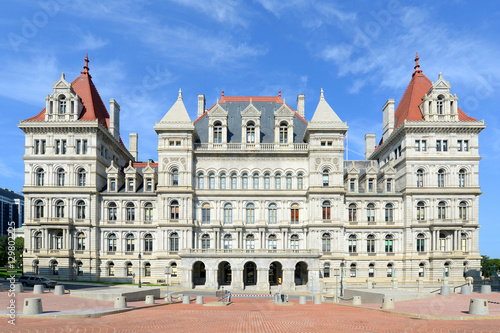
(199, 273)
(249, 274)
(301, 273)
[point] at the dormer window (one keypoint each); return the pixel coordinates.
(149, 185)
(112, 185)
(130, 185)
(283, 132)
(218, 132)
(250, 132)
(439, 104)
(62, 104)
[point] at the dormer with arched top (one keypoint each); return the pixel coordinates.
(250, 124)
(439, 104)
(217, 124)
(64, 104)
(283, 125)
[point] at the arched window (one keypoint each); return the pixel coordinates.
(389, 244)
(421, 242)
(174, 269)
(442, 241)
(40, 177)
(234, 181)
(147, 269)
(228, 242)
(325, 178)
(54, 267)
(294, 214)
(288, 181)
(174, 242)
(38, 240)
(255, 181)
(130, 211)
(325, 242)
(389, 213)
(62, 104)
(244, 181)
(420, 178)
(326, 270)
(272, 243)
(58, 240)
(250, 132)
(148, 212)
(461, 178)
(130, 243)
(201, 181)
(250, 243)
(267, 181)
(148, 243)
(61, 177)
(223, 181)
(352, 271)
(447, 269)
(80, 210)
(370, 212)
(370, 243)
(352, 242)
(205, 213)
(80, 241)
(111, 269)
(463, 241)
(294, 242)
(111, 243)
(129, 269)
(217, 132)
(277, 181)
(462, 210)
(272, 214)
(82, 177)
(250, 213)
(211, 179)
(60, 208)
(205, 242)
(390, 270)
(112, 211)
(228, 213)
(39, 209)
(442, 210)
(283, 132)
(175, 177)
(174, 210)
(326, 210)
(300, 181)
(352, 212)
(441, 174)
(421, 270)
(420, 211)
(371, 270)
(439, 104)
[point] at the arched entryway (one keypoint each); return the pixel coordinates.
(275, 273)
(250, 274)
(301, 274)
(225, 274)
(199, 274)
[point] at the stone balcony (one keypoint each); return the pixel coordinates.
(265, 147)
(256, 253)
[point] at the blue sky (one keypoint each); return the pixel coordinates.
(360, 52)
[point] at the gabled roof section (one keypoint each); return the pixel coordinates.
(324, 112)
(177, 112)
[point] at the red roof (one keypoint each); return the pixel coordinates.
(408, 107)
(143, 164)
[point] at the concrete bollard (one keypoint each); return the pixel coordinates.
(465, 290)
(168, 298)
(59, 290)
(121, 302)
(479, 306)
(38, 289)
(32, 306)
(317, 300)
(150, 299)
(199, 300)
(485, 289)
(302, 300)
(356, 300)
(186, 299)
(387, 303)
(445, 291)
(18, 288)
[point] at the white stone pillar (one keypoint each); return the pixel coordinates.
(237, 279)
(187, 278)
(263, 279)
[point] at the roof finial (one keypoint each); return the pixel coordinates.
(86, 67)
(321, 96)
(222, 95)
(180, 95)
(279, 93)
(250, 100)
(417, 66)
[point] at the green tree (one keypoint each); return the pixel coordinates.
(487, 265)
(19, 251)
(4, 255)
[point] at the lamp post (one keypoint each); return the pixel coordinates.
(336, 274)
(168, 271)
(342, 264)
(140, 257)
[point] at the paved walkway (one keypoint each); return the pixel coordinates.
(250, 315)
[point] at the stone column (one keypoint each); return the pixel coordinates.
(288, 283)
(237, 279)
(211, 281)
(187, 278)
(263, 279)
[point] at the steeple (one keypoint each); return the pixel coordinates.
(177, 113)
(324, 112)
(86, 67)
(417, 66)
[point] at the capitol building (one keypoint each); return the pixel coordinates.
(251, 193)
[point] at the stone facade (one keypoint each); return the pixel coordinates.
(251, 193)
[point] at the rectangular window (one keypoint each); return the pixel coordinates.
(417, 145)
(58, 146)
(63, 146)
(424, 145)
(205, 215)
(131, 185)
(78, 146)
(370, 246)
(420, 245)
(84, 146)
(37, 146)
(370, 185)
(459, 145)
(352, 185)
(112, 183)
(389, 185)
(438, 145)
(466, 145)
(234, 182)
(294, 215)
(389, 246)
(149, 185)
(267, 181)
(445, 145)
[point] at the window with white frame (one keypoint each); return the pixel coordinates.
(228, 213)
(60, 208)
(390, 270)
(389, 213)
(420, 242)
(223, 181)
(250, 213)
(461, 178)
(250, 243)
(82, 177)
(370, 212)
(205, 242)
(217, 132)
(420, 178)
(205, 213)
(462, 210)
(441, 174)
(325, 178)
(352, 212)
(277, 181)
(228, 242)
(250, 132)
(148, 212)
(201, 181)
(130, 209)
(267, 181)
(326, 242)
(211, 179)
(61, 177)
(234, 181)
(40, 177)
(80, 209)
(420, 211)
(283, 132)
(442, 210)
(174, 242)
(130, 243)
(244, 181)
(463, 241)
(175, 177)
(371, 270)
(294, 214)
(352, 242)
(272, 243)
(370, 243)
(148, 243)
(352, 270)
(112, 209)
(389, 244)
(255, 181)
(272, 213)
(294, 242)
(62, 104)
(111, 243)
(300, 181)
(288, 181)
(37, 240)
(326, 208)
(80, 242)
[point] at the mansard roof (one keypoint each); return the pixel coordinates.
(266, 105)
(408, 107)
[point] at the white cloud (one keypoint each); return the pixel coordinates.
(90, 42)
(222, 11)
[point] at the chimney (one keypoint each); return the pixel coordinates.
(114, 119)
(388, 113)
(300, 105)
(201, 105)
(369, 145)
(133, 145)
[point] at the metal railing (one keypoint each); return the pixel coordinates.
(252, 146)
